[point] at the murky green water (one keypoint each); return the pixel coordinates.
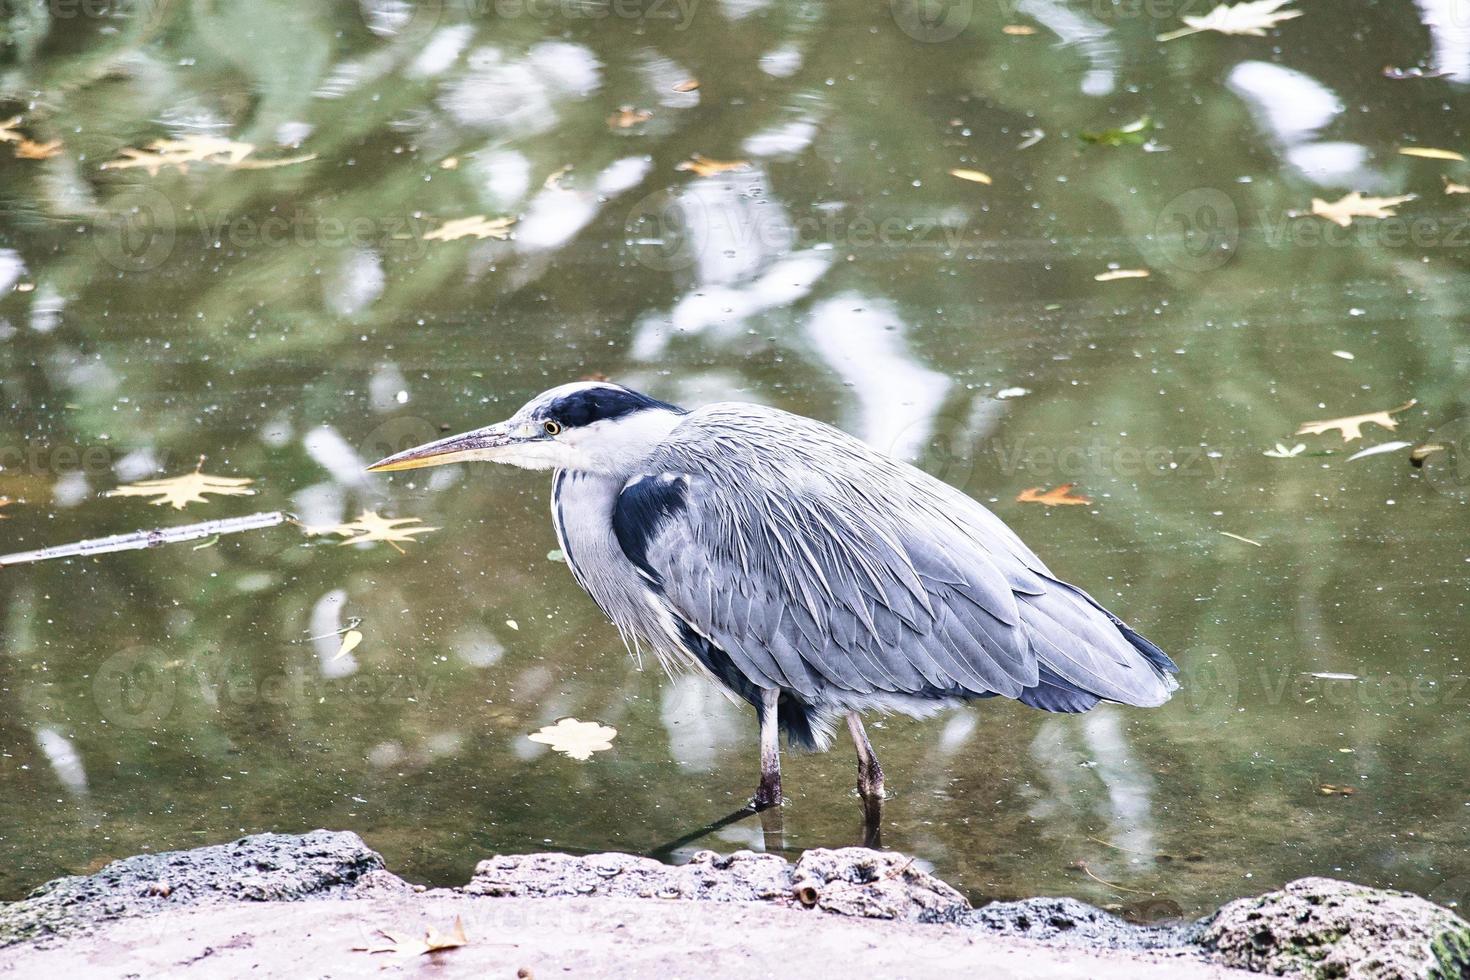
(290, 323)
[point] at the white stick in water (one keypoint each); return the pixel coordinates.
(138, 540)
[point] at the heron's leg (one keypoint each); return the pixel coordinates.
(870, 774)
(769, 792)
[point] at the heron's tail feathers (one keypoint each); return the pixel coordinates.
(806, 728)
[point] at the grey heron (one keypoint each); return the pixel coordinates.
(805, 572)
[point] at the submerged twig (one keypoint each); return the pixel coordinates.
(157, 537)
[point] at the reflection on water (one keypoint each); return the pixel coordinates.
(292, 322)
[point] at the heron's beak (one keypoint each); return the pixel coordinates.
(480, 444)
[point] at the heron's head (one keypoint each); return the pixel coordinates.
(591, 426)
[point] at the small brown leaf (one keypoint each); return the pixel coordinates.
(479, 226)
(705, 167)
(27, 150)
(627, 117)
(5, 502)
(1351, 426)
(688, 85)
(1055, 497)
(406, 945)
(1329, 789)
(1431, 153)
(1355, 205)
(974, 176)
(1420, 453)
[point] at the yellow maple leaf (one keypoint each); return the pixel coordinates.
(1351, 426)
(179, 491)
(627, 117)
(974, 176)
(1252, 19)
(705, 167)
(407, 945)
(27, 150)
(1355, 205)
(371, 526)
(479, 226)
(195, 149)
(1055, 497)
(576, 739)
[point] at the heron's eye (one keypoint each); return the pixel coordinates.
(552, 427)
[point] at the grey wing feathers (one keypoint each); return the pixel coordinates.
(865, 576)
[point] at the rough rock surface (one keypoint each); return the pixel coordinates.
(1066, 920)
(262, 868)
(848, 881)
(1322, 929)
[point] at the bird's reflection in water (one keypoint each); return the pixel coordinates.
(772, 833)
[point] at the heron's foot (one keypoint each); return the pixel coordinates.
(767, 794)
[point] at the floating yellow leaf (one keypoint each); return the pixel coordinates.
(5, 502)
(479, 226)
(975, 176)
(1056, 497)
(1430, 153)
(27, 150)
(1018, 30)
(180, 491)
(1450, 187)
(449, 163)
(1252, 18)
(577, 739)
(1328, 789)
(1112, 274)
(705, 167)
(1355, 205)
(371, 526)
(195, 149)
(627, 117)
(553, 180)
(8, 132)
(350, 640)
(1351, 426)
(688, 85)
(433, 941)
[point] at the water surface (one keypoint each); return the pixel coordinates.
(290, 323)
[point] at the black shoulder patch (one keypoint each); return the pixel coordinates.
(598, 404)
(642, 508)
